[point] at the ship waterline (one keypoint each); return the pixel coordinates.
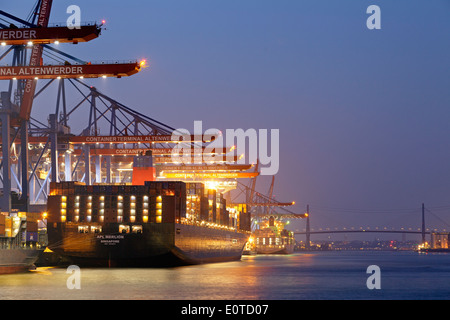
(17, 260)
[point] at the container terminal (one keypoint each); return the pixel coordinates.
(108, 193)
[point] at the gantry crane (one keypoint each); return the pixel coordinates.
(24, 74)
(262, 206)
(59, 155)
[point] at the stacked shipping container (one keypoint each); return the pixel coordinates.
(155, 202)
(117, 203)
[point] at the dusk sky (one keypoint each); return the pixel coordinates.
(364, 115)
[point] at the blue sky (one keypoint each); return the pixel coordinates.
(363, 114)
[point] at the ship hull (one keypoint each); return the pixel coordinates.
(440, 250)
(284, 249)
(17, 260)
(157, 245)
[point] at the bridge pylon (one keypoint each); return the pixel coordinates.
(308, 229)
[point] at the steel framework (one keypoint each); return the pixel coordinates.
(36, 151)
(28, 168)
(262, 206)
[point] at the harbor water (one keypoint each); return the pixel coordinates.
(301, 276)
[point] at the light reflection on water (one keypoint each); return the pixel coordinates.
(327, 275)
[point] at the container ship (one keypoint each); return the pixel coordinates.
(146, 224)
(273, 238)
(20, 242)
(440, 242)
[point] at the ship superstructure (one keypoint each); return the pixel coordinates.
(273, 238)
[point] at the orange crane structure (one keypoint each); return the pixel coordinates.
(24, 74)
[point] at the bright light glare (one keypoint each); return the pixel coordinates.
(212, 185)
(143, 63)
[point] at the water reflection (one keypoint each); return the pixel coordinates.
(297, 276)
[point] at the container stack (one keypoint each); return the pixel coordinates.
(156, 202)
(153, 202)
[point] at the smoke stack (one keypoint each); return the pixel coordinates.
(271, 221)
(143, 169)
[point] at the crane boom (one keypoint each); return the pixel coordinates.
(69, 71)
(35, 60)
(23, 36)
